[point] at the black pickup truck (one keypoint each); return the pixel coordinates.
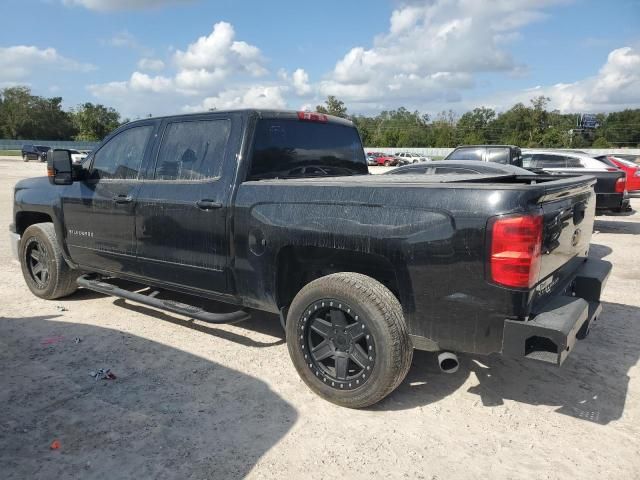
(276, 211)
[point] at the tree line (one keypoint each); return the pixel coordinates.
(27, 116)
(532, 126)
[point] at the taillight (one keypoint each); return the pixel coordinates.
(313, 117)
(621, 184)
(516, 244)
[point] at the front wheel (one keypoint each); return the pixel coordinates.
(44, 269)
(25, 158)
(348, 340)
(387, 163)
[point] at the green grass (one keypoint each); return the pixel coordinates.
(10, 153)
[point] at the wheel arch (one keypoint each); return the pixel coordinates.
(296, 266)
(24, 219)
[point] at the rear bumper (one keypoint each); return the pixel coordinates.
(612, 201)
(550, 335)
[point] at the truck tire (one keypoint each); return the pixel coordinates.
(44, 269)
(348, 340)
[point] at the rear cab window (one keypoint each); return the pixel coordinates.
(544, 160)
(471, 153)
(498, 155)
(292, 148)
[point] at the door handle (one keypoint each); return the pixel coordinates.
(123, 199)
(206, 204)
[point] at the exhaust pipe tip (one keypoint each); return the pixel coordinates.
(448, 362)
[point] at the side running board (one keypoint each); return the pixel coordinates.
(176, 307)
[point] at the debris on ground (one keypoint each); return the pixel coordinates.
(103, 374)
(62, 308)
(55, 445)
(77, 340)
(51, 340)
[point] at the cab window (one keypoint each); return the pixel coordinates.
(192, 150)
(121, 157)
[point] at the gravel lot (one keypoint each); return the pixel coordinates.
(196, 401)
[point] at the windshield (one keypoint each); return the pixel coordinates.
(292, 148)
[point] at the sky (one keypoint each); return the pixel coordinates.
(171, 56)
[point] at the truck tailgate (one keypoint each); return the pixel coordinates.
(568, 217)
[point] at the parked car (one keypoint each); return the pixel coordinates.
(387, 160)
(362, 269)
(460, 167)
(34, 152)
(506, 154)
(628, 157)
(77, 157)
(631, 169)
(371, 159)
(409, 157)
(611, 185)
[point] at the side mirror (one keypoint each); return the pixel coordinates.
(59, 169)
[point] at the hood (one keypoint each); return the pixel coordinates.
(35, 182)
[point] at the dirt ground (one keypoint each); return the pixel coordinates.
(196, 401)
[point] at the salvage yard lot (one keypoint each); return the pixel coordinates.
(197, 401)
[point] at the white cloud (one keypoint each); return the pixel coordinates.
(203, 69)
(114, 5)
(123, 39)
(19, 62)
(300, 80)
(433, 50)
(143, 82)
(616, 86)
(201, 80)
(219, 53)
(256, 96)
(150, 64)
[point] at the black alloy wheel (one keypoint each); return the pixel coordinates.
(38, 263)
(347, 339)
(339, 347)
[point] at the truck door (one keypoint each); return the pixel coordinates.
(182, 205)
(98, 212)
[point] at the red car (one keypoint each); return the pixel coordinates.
(631, 169)
(386, 160)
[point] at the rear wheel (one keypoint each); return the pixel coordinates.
(387, 163)
(348, 340)
(44, 270)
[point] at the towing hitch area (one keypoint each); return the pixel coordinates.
(552, 333)
(106, 288)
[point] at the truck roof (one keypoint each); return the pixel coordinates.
(259, 112)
